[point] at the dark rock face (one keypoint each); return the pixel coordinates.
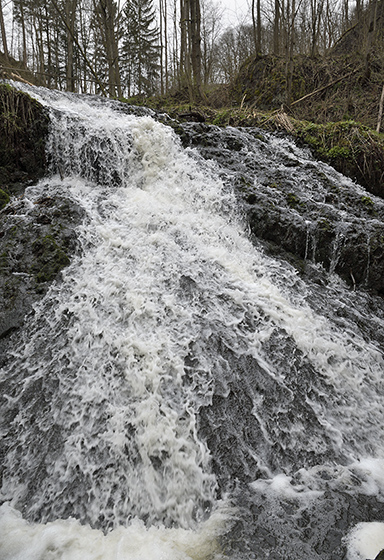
(36, 242)
(23, 131)
(36, 239)
(37, 233)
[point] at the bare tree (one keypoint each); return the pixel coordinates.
(256, 22)
(70, 16)
(190, 47)
(211, 29)
(107, 16)
(276, 28)
(3, 33)
(195, 45)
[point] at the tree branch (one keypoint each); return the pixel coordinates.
(323, 88)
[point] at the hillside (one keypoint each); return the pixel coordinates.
(348, 86)
(345, 83)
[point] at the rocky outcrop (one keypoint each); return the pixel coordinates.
(36, 239)
(23, 131)
(298, 208)
(36, 243)
(297, 205)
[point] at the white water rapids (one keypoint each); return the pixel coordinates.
(115, 365)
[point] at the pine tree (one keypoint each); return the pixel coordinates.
(140, 50)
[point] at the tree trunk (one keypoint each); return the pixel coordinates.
(24, 34)
(276, 29)
(3, 34)
(106, 12)
(254, 26)
(49, 47)
(195, 42)
(291, 15)
(258, 27)
(185, 74)
(161, 10)
(70, 16)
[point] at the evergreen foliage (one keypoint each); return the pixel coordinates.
(140, 53)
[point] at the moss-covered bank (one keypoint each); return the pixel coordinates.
(36, 243)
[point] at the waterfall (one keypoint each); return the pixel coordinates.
(176, 379)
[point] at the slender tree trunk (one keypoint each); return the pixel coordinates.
(40, 53)
(254, 26)
(258, 27)
(161, 10)
(3, 33)
(23, 34)
(185, 44)
(70, 16)
(291, 14)
(49, 47)
(346, 13)
(163, 46)
(166, 45)
(316, 13)
(195, 37)
(106, 12)
(276, 29)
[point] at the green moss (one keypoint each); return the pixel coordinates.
(368, 203)
(311, 140)
(4, 199)
(325, 225)
(293, 201)
(222, 117)
(49, 259)
(337, 152)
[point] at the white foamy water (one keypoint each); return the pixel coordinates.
(68, 540)
(365, 541)
(104, 393)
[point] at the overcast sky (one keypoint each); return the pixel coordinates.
(235, 11)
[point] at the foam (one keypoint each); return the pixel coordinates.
(69, 540)
(365, 541)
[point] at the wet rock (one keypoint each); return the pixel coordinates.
(284, 528)
(23, 131)
(4, 199)
(297, 204)
(36, 239)
(36, 243)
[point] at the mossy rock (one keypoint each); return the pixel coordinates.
(49, 259)
(352, 148)
(4, 199)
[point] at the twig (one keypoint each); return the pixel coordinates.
(380, 111)
(324, 87)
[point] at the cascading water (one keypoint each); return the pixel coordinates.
(179, 394)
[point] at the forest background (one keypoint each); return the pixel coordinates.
(139, 48)
(313, 68)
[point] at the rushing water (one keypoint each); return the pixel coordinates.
(178, 393)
